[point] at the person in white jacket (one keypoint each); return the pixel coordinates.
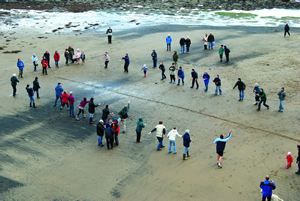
(172, 136)
(34, 60)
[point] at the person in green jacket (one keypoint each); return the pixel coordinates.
(221, 51)
(139, 127)
(175, 59)
(263, 98)
(123, 114)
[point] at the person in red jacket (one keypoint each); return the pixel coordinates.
(56, 58)
(45, 65)
(116, 129)
(65, 100)
(289, 159)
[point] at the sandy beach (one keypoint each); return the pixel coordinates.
(46, 155)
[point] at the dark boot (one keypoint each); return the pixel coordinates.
(30, 105)
(188, 154)
(38, 96)
(34, 105)
(184, 157)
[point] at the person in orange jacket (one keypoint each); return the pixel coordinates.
(116, 129)
(65, 100)
(289, 159)
(56, 58)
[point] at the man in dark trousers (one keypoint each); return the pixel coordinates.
(47, 55)
(44, 63)
(182, 43)
(188, 44)
(71, 53)
(123, 114)
(36, 87)
(105, 113)
(241, 86)
(175, 59)
(154, 58)
(263, 99)
(14, 80)
(220, 147)
(127, 62)
(67, 55)
(109, 34)
(298, 159)
(162, 68)
(267, 188)
(100, 132)
(109, 133)
(217, 82)
(210, 40)
(227, 51)
(286, 29)
(194, 78)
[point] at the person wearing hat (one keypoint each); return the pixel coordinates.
(298, 159)
(14, 80)
(256, 90)
(221, 51)
(56, 58)
(169, 41)
(92, 107)
(21, 66)
(160, 134)
(36, 86)
(71, 53)
(188, 44)
(65, 100)
(267, 188)
(123, 114)
(100, 132)
(71, 100)
(220, 147)
(263, 99)
(154, 58)
(241, 86)
(30, 92)
(139, 127)
(115, 127)
(58, 93)
(47, 55)
(109, 34)
(34, 61)
(186, 143)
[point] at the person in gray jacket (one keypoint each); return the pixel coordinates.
(14, 80)
(281, 95)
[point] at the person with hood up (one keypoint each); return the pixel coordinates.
(56, 57)
(175, 59)
(21, 66)
(162, 68)
(227, 51)
(172, 136)
(30, 92)
(115, 127)
(206, 78)
(100, 132)
(14, 80)
(58, 93)
(286, 29)
(145, 69)
(34, 61)
(267, 188)
(169, 41)
(109, 34)
(256, 90)
(126, 63)
(92, 107)
(65, 100)
(71, 100)
(154, 58)
(123, 114)
(109, 133)
(281, 95)
(36, 87)
(220, 147)
(180, 76)
(81, 108)
(205, 41)
(47, 56)
(71, 53)
(210, 40)
(67, 56)
(106, 58)
(217, 82)
(139, 127)
(186, 143)
(82, 57)
(78, 56)
(44, 63)
(182, 43)
(160, 134)
(263, 99)
(188, 44)
(172, 73)
(241, 86)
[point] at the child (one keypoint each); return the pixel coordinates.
(83, 58)
(81, 108)
(289, 159)
(172, 135)
(186, 143)
(65, 100)
(78, 56)
(145, 69)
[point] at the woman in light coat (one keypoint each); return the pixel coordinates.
(205, 41)
(172, 136)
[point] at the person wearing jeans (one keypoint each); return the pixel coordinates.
(241, 86)
(263, 99)
(162, 68)
(160, 134)
(30, 92)
(100, 132)
(281, 95)
(172, 73)
(172, 136)
(182, 44)
(206, 80)
(194, 75)
(217, 82)
(180, 76)
(58, 93)
(71, 103)
(186, 143)
(210, 40)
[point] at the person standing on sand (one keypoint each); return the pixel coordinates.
(127, 62)
(298, 159)
(169, 41)
(36, 87)
(116, 129)
(139, 127)
(180, 76)
(92, 107)
(242, 87)
(186, 143)
(267, 188)
(206, 77)
(289, 159)
(78, 56)
(106, 58)
(263, 99)
(194, 78)
(14, 80)
(58, 93)
(188, 44)
(145, 69)
(220, 147)
(227, 51)
(160, 134)
(81, 108)
(109, 133)
(123, 114)
(154, 58)
(71, 53)
(34, 61)
(162, 68)
(30, 92)
(109, 34)
(182, 43)
(210, 40)
(172, 136)
(221, 51)
(71, 103)
(44, 63)
(172, 73)
(65, 100)
(256, 90)
(105, 113)
(205, 41)
(21, 66)
(82, 57)
(286, 29)
(47, 56)
(217, 82)
(175, 59)
(281, 95)
(67, 55)
(100, 132)
(56, 57)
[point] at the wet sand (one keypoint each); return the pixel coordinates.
(46, 155)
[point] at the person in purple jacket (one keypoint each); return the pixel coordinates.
(71, 103)
(81, 108)
(221, 143)
(106, 57)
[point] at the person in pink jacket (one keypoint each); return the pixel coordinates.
(78, 56)
(81, 108)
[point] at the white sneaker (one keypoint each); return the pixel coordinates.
(84, 116)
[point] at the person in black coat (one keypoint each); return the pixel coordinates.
(227, 51)
(100, 132)
(194, 78)
(210, 39)
(162, 68)
(30, 92)
(109, 34)
(182, 43)
(109, 133)
(105, 113)
(154, 58)
(14, 80)
(47, 55)
(92, 107)
(188, 44)
(217, 82)
(36, 86)
(286, 29)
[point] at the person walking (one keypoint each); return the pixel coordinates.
(267, 188)
(221, 51)
(58, 93)
(71, 53)
(67, 56)
(188, 43)
(169, 41)
(56, 57)
(92, 107)
(139, 127)
(116, 129)
(205, 41)
(175, 59)
(220, 147)
(109, 133)
(256, 91)
(180, 76)
(100, 132)
(227, 51)
(106, 58)
(82, 57)
(36, 87)
(44, 63)
(123, 114)
(21, 66)
(242, 87)
(162, 68)
(182, 43)
(105, 113)
(217, 82)
(210, 40)
(127, 62)
(160, 134)
(186, 143)
(287, 29)
(206, 78)
(263, 99)
(281, 95)
(109, 35)
(14, 80)
(194, 78)
(298, 159)
(30, 92)
(172, 136)
(71, 103)
(144, 69)
(172, 73)
(34, 61)
(81, 108)
(154, 58)
(65, 100)
(47, 56)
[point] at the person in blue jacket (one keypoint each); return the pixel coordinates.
(267, 188)
(180, 76)
(109, 133)
(21, 66)
(154, 58)
(58, 93)
(186, 143)
(221, 143)
(206, 80)
(127, 62)
(169, 41)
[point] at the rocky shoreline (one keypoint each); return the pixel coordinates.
(81, 6)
